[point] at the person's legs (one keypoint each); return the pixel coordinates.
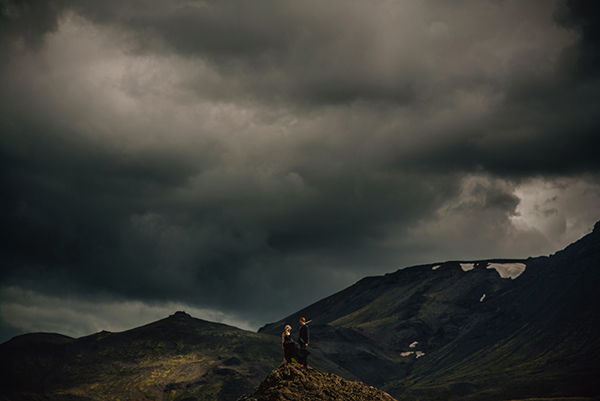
(288, 354)
(302, 356)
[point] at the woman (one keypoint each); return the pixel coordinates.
(287, 344)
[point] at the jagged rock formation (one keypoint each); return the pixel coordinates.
(293, 383)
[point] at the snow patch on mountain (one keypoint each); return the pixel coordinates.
(467, 266)
(418, 354)
(508, 270)
(505, 270)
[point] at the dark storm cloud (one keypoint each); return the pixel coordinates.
(556, 111)
(278, 49)
(28, 19)
(274, 51)
(583, 16)
(232, 155)
(545, 121)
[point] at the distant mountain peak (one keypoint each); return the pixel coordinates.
(299, 384)
(586, 246)
(181, 314)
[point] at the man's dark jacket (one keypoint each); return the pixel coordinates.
(303, 336)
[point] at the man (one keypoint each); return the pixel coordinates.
(303, 338)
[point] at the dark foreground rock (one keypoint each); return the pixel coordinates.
(293, 383)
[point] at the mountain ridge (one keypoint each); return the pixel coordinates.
(439, 331)
(455, 316)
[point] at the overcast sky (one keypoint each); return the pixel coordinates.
(240, 160)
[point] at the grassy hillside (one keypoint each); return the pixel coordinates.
(459, 330)
(176, 358)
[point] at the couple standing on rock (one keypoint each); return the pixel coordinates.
(289, 346)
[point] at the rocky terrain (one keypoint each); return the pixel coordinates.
(293, 383)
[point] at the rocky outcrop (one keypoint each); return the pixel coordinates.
(292, 383)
